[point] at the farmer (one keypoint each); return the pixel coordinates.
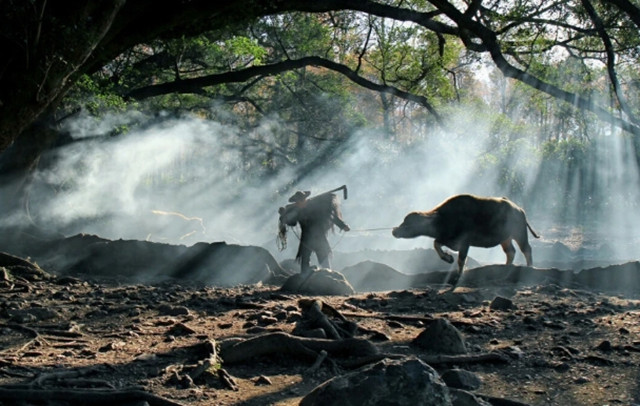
(315, 216)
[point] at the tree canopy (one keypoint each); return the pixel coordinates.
(573, 61)
(290, 85)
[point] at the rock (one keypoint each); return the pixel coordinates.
(441, 337)
(180, 329)
(407, 381)
(461, 379)
(502, 303)
(168, 310)
(369, 276)
(223, 264)
(463, 398)
(513, 351)
(318, 282)
(217, 264)
(605, 346)
(262, 380)
(616, 278)
(581, 380)
(32, 314)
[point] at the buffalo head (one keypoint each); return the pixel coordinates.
(414, 224)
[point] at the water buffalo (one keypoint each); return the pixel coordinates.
(466, 220)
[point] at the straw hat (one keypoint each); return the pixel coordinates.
(299, 196)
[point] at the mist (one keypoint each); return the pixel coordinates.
(181, 180)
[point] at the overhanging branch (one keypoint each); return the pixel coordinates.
(195, 85)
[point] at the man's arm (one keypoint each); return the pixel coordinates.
(338, 221)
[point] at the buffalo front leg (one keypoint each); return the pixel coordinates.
(445, 256)
(462, 257)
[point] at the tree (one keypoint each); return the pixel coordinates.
(48, 45)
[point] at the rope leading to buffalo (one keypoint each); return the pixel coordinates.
(364, 230)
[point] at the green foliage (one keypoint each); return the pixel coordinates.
(95, 96)
(319, 110)
(245, 47)
(571, 151)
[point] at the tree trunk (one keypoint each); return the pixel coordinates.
(46, 46)
(17, 165)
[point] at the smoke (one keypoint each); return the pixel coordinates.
(184, 180)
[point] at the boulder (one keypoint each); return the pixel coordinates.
(461, 397)
(461, 379)
(217, 264)
(502, 303)
(408, 381)
(318, 282)
(368, 276)
(441, 337)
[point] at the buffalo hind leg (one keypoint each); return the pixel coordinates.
(526, 250)
(509, 250)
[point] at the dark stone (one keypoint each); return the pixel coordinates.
(218, 264)
(461, 379)
(318, 282)
(168, 310)
(502, 303)
(605, 346)
(461, 397)
(441, 337)
(408, 381)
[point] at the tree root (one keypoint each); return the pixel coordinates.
(318, 314)
(235, 351)
(89, 396)
(227, 380)
(321, 357)
(490, 357)
(34, 335)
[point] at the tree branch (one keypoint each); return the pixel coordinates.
(195, 85)
(490, 40)
(629, 8)
(611, 58)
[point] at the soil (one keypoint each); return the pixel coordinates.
(559, 345)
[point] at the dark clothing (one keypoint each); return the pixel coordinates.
(316, 216)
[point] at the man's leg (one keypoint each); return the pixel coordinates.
(305, 258)
(323, 252)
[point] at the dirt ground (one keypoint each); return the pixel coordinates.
(561, 346)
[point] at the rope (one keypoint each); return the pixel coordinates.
(362, 230)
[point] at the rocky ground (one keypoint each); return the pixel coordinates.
(541, 342)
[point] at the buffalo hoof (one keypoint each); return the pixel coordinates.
(448, 258)
(453, 279)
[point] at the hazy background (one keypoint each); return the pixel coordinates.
(183, 180)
